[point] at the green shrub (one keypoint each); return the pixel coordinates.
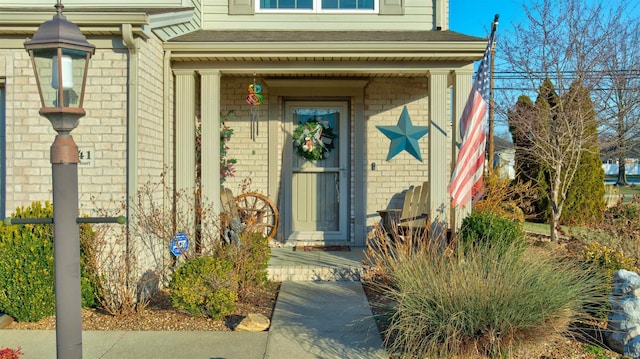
(607, 259)
(467, 304)
(489, 228)
(205, 286)
(27, 266)
(250, 260)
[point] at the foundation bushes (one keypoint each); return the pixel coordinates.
(477, 299)
(209, 286)
(205, 287)
(27, 266)
(250, 258)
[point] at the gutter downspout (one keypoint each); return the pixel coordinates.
(167, 144)
(132, 115)
(167, 148)
(132, 133)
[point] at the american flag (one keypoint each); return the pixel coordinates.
(466, 179)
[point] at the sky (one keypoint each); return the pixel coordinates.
(473, 17)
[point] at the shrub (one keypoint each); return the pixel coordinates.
(489, 228)
(205, 286)
(608, 259)
(466, 303)
(477, 300)
(619, 232)
(27, 266)
(250, 260)
(505, 197)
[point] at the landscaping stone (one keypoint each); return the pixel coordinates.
(253, 323)
(623, 333)
(5, 320)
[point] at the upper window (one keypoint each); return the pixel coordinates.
(319, 5)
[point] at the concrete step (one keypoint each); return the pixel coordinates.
(288, 264)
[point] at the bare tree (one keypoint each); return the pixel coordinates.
(556, 54)
(618, 95)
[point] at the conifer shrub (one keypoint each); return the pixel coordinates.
(585, 203)
(27, 266)
(205, 287)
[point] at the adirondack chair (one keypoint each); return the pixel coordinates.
(415, 209)
(414, 212)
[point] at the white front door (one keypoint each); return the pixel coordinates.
(319, 188)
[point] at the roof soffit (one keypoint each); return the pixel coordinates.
(95, 21)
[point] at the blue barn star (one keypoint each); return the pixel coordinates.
(404, 136)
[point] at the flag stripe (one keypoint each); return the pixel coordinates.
(467, 174)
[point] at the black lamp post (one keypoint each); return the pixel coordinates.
(60, 56)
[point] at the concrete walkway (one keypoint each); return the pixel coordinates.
(311, 320)
(323, 320)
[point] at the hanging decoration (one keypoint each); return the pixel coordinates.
(254, 99)
(314, 139)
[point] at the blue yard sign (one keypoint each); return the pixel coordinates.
(179, 244)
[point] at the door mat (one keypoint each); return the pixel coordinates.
(321, 249)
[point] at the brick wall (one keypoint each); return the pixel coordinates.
(384, 102)
(102, 131)
(150, 110)
(251, 154)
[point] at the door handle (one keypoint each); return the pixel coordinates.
(337, 181)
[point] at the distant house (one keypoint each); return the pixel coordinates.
(631, 167)
(504, 158)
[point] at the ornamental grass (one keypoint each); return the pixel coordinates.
(478, 301)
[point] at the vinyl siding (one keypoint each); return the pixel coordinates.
(98, 3)
(418, 15)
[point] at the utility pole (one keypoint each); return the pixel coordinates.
(490, 142)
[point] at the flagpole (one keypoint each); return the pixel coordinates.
(490, 142)
(466, 178)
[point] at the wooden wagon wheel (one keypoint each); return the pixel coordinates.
(258, 211)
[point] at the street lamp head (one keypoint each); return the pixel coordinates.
(60, 56)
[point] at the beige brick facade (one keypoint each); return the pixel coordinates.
(384, 102)
(101, 134)
(251, 154)
(150, 110)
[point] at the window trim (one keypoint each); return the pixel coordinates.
(317, 9)
(3, 147)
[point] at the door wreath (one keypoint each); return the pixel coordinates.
(314, 139)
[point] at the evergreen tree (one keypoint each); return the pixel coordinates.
(585, 199)
(526, 167)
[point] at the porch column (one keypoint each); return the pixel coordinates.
(438, 164)
(210, 166)
(462, 88)
(185, 158)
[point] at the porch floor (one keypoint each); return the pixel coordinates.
(289, 265)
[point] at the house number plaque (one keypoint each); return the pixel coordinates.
(86, 155)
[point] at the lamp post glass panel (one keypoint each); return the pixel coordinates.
(61, 76)
(60, 56)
